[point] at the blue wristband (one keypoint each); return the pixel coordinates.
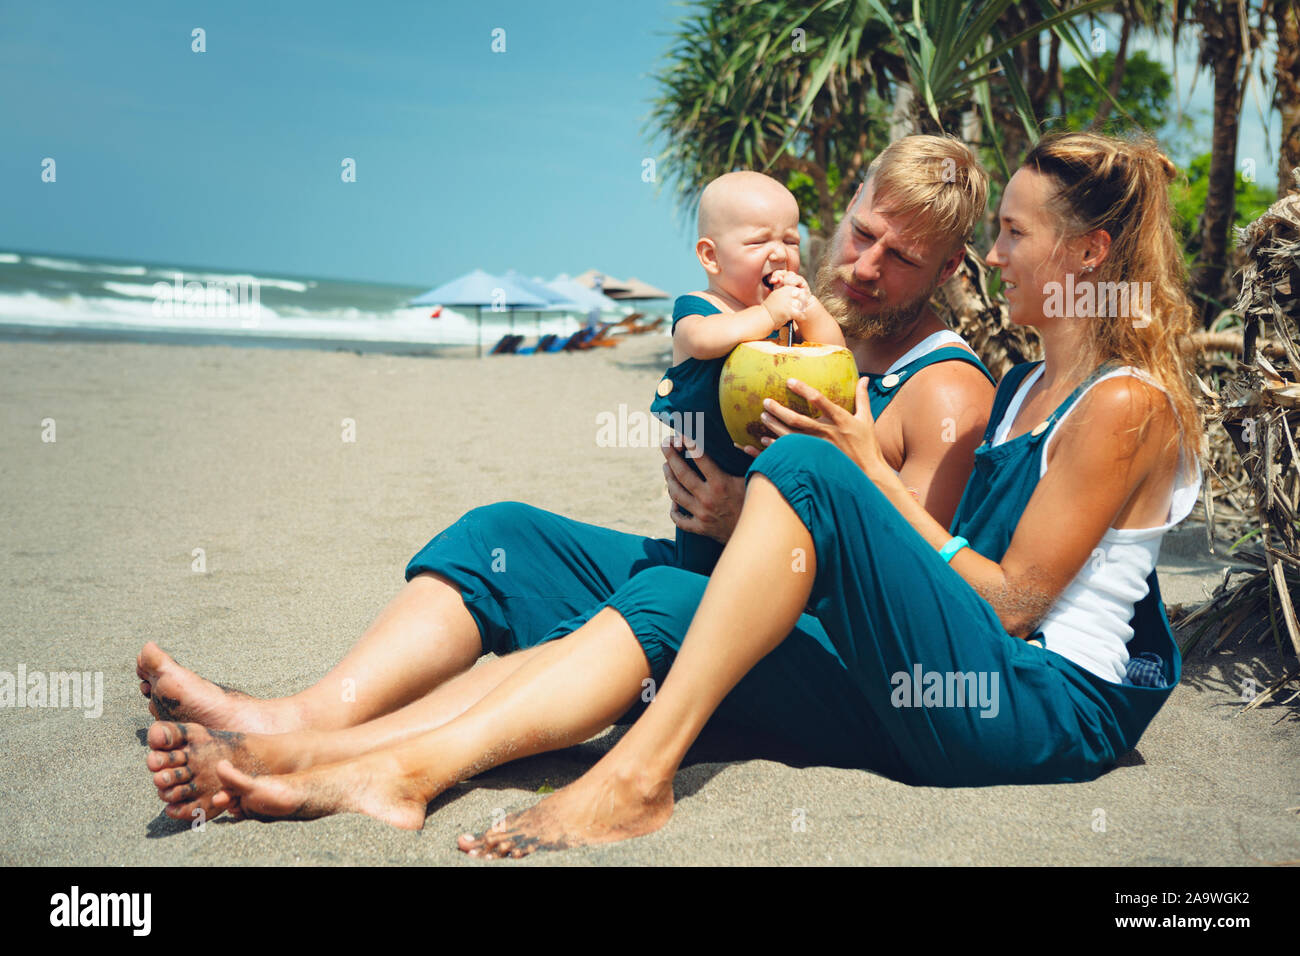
(952, 547)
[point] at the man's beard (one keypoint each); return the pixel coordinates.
(886, 322)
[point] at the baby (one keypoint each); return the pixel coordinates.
(749, 247)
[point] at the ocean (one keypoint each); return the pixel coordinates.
(53, 296)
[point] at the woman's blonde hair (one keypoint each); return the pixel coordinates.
(1122, 187)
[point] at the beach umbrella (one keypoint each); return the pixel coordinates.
(479, 289)
(600, 281)
(585, 297)
(636, 289)
(556, 301)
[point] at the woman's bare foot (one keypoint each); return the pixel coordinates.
(177, 693)
(600, 807)
(184, 757)
(373, 785)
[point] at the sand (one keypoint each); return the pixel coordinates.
(161, 450)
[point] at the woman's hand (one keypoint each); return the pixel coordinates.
(854, 434)
(714, 501)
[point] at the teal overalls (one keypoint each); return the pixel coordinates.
(691, 386)
(855, 684)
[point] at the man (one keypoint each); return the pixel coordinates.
(903, 235)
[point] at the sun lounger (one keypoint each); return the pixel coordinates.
(647, 327)
(580, 337)
(562, 342)
(601, 338)
(507, 345)
(539, 346)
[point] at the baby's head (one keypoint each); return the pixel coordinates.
(749, 227)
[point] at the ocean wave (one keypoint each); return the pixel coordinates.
(133, 310)
(10, 258)
(132, 289)
(288, 285)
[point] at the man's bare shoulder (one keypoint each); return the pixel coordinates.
(953, 385)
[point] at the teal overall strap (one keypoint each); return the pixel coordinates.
(883, 388)
(692, 305)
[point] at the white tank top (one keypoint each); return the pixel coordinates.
(1089, 623)
(927, 345)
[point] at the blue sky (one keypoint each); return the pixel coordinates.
(530, 159)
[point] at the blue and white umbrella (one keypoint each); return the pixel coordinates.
(480, 289)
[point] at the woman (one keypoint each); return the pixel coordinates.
(1088, 460)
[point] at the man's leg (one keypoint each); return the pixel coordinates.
(184, 756)
(497, 580)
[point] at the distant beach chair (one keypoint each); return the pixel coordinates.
(647, 327)
(561, 342)
(540, 345)
(601, 338)
(507, 345)
(576, 342)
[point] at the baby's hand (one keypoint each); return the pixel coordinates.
(786, 304)
(784, 277)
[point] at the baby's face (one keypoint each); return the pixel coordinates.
(760, 237)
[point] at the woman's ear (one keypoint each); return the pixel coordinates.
(707, 253)
(1096, 246)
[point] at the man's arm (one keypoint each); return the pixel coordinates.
(713, 501)
(944, 410)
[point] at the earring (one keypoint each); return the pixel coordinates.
(1088, 268)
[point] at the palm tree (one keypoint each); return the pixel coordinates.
(1287, 91)
(1228, 43)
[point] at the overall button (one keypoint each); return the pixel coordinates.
(889, 381)
(1038, 429)
(665, 387)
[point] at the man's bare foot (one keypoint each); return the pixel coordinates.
(372, 784)
(177, 693)
(184, 757)
(600, 807)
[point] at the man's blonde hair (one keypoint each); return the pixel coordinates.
(935, 180)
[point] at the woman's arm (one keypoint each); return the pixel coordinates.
(1101, 459)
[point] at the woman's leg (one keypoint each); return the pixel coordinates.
(960, 701)
(629, 792)
(497, 580)
(567, 691)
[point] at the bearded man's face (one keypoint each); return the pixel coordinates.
(877, 277)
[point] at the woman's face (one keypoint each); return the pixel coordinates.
(1030, 250)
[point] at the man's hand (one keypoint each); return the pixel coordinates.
(714, 501)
